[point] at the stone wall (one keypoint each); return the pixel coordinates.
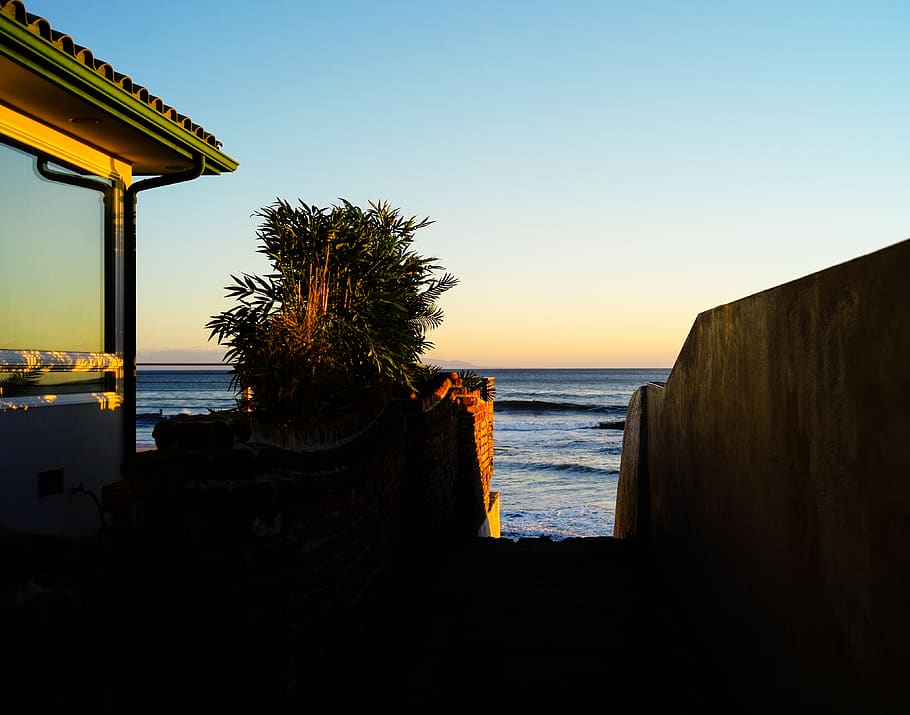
(770, 478)
(268, 561)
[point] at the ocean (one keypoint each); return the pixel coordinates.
(557, 438)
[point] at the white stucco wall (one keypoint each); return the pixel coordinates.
(83, 440)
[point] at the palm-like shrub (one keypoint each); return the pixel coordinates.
(346, 309)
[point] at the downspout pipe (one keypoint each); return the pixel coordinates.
(129, 292)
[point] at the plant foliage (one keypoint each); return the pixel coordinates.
(347, 307)
(473, 381)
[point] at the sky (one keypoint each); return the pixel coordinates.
(598, 173)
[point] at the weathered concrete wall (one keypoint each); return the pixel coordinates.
(632, 491)
(778, 488)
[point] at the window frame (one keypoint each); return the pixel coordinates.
(110, 361)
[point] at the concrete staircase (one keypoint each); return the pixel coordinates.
(579, 625)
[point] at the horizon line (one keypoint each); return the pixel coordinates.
(224, 364)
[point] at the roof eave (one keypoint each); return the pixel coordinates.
(54, 66)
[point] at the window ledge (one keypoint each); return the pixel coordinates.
(57, 360)
(104, 400)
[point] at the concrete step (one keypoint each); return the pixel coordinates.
(579, 625)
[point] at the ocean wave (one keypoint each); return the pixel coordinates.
(557, 524)
(573, 467)
(613, 449)
(538, 427)
(611, 424)
(544, 406)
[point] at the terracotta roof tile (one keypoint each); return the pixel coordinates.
(41, 27)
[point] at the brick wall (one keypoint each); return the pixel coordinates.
(264, 561)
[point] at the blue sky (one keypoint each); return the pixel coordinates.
(598, 172)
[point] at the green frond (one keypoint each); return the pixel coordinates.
(348, 303)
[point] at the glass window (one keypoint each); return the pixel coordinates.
(51, 260)
(52, 276)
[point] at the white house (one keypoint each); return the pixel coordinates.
(78, 142)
